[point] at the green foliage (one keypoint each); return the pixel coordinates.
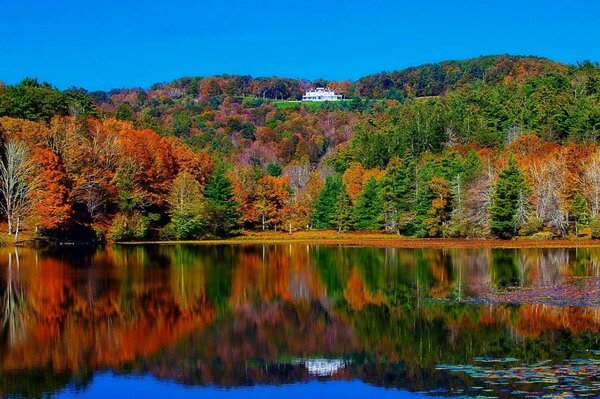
(579, 211)
(124, 112)
(182, 124)
(222, 207)
(79, 102)
(532, 225)
(131, 227)
(33, 100)
(274, 169)
(510, 201)
(343, 211)
(188, 208)
(187, 225)
(341, 159)
(397, 187)
(367, 212)
(595, 227)
(456, 171)
(325, 205)
(130, 197)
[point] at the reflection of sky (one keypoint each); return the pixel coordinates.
(114, 386)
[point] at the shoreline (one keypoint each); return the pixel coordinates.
(376, 240)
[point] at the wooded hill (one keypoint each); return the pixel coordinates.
(492, 146)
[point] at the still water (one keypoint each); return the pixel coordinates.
(299, 321)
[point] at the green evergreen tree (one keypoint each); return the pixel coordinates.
(323, 216)
(509, 201)
(397, 187)
(367, 213)
(343, 211)
(579, 211)
(124, 112)
(223, 209)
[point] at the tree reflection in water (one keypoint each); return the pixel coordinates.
(12, 310)
(272, 314)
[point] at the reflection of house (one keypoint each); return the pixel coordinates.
(321, 94)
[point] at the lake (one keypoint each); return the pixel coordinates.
(299, 321)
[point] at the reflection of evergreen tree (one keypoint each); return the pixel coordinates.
(505, 268)
(370, 262)
(333, 265)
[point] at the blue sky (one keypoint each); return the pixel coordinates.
(127, 43)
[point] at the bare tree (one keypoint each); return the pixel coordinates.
(548, 176)
(17, 183)
(591, 180)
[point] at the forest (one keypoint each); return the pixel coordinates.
(492, 147)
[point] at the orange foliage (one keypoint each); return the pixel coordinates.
(271, 197)
(198, 164)
(355, 178)
(357, 295)
(52, 207)
(155, 165)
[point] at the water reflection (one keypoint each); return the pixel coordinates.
(236, 316)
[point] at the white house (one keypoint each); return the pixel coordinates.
(321, 94)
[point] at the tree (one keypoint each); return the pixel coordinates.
(579, 212)
(323, 217)
(33, 100)
(51, 207)
(124, 112)
(271, 196)
(509, 201)
(187, 207)
(355, 178)
(343, 211)
(222, 207)
(439, 212)
(148, 162)
(17, 184)
(397, 187)
(368, 209)
(591, 180)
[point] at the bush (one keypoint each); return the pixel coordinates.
(531, 226)
(186, 226)
(595, 227)
(133, 227)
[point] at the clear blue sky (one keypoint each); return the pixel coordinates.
(126, 43)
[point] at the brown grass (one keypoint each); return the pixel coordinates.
(377, 239)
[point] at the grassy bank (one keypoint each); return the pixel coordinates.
(382, 240)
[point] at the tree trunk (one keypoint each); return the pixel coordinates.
(17, 230)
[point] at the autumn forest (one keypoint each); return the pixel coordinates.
(491, 147)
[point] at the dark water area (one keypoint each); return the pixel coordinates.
(299, 321)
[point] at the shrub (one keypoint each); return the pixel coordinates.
(132, 227)
(595, 227)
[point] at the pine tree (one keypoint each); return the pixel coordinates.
(343, 211)
(223, 209)
(367, 213)
(323, 217)
(579, 211)
(397, 188)
(509, 201)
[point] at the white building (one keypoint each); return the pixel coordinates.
(321, 94)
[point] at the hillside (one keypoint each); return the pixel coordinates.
(421, 151)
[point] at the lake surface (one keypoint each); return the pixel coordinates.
(299, 321)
